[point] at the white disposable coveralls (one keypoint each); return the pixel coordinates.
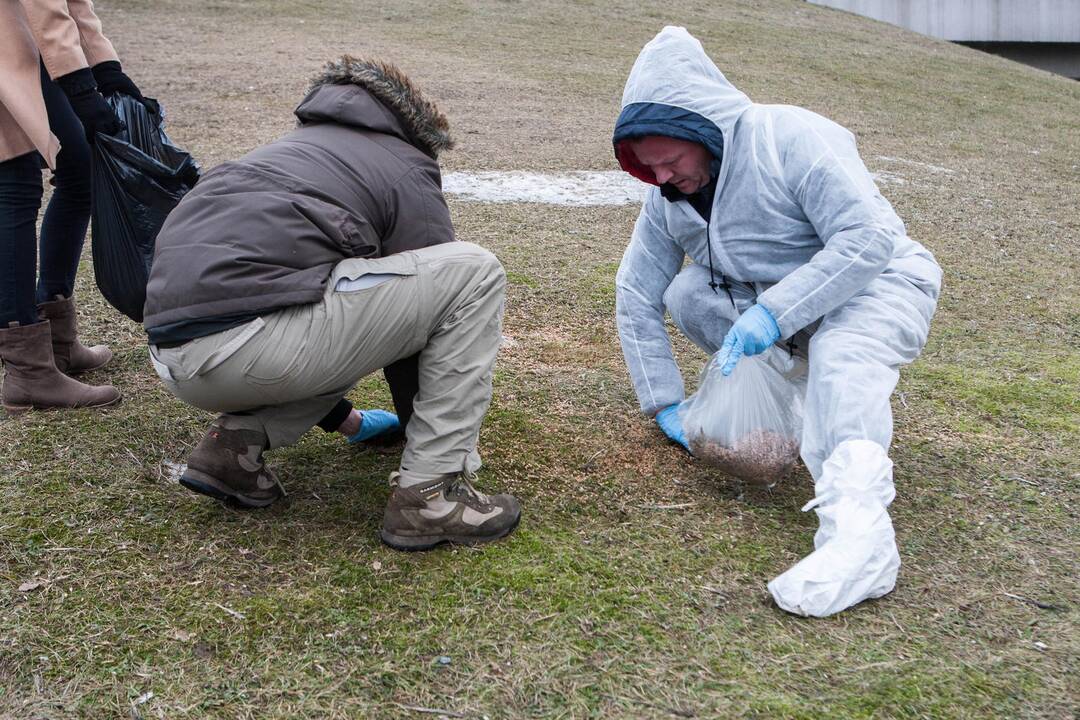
(797, 217)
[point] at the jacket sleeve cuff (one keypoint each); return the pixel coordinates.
(78, 82)
(336, 416)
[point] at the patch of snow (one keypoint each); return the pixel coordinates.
(905, 161)
(887, 178)
(578, 188)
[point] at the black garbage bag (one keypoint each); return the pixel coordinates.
(138, 178)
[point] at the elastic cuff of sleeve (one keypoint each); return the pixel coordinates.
(656, 410)
(336, 416)
(77, 83)
(772, 316)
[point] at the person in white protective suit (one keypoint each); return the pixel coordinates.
(791, 243)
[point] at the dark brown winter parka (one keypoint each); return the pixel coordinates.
(357, 178)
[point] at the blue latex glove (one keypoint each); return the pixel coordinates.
(752, 333)
(374, 423)
(669, 422)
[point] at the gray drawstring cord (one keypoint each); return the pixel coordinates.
(712, 273)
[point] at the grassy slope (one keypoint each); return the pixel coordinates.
(601, 605)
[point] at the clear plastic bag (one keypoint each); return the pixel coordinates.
(749, 423)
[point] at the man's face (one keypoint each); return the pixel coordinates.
(682, 163)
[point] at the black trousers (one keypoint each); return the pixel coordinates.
(32, 272)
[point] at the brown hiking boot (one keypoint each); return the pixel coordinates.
(32, 380)
(70, 355)
(227, 464)
(449, 510)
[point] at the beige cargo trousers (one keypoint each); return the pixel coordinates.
(283, 372)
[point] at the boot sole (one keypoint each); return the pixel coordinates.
(208, 485)
(22, 409)
(417, 543)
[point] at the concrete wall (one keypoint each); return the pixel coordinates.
(1056, 21)
(1060, 58)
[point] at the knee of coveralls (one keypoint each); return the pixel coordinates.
(702, 314)
(855, 359)
(852, 376)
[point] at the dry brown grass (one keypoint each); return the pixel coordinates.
(607, 602)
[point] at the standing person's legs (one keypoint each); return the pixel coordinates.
(31, 377)
(63, 228)
(855, 357)
(20, 200)
(63, 231)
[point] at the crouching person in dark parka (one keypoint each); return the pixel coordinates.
(284, 277)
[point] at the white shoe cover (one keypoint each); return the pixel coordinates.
(856, 556)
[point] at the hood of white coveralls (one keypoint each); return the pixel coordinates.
(675, 90)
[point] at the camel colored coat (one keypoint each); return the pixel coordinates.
(66, 34)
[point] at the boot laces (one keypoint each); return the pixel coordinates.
(464, 482)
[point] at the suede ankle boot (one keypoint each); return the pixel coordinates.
(71, 356)
(31, 379)
(227, 464)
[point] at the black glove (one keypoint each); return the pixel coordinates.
(111, 79)
(93, 112)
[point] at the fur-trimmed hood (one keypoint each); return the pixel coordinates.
(377, 96)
